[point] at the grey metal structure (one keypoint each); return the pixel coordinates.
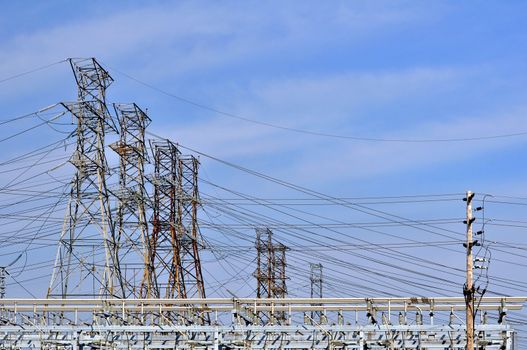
(88, 223)
(315, 278)
(131, 217)
(140, 324)
(164, 241)
(2, 282)
(270, 266)
(270, 272)
(187, 201)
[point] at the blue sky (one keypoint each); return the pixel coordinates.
(372, 69)
(369, 69)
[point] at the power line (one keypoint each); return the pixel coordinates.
(310, 132)
(32, 71)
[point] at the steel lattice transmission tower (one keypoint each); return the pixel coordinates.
(279, 274)
(131, 220)
(271, 263)
(164, 243)
(264, 262)
(2, 282)
(175, 233)
(270, 270)
(316, 286)
(88, 224)
(188, 229)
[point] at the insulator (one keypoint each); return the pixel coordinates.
(469, 221)
(384, 318)
(323, 319)
(402, 318)
(418, 318)
(340, 318)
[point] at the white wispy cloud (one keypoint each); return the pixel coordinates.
(324, 103)
(359, 160)
(184, 37)
(164, 42)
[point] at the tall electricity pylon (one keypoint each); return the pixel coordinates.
(148, 259)
(188, 229)
(164, 243)
(175, 233)
(131, 222)
(88, 224)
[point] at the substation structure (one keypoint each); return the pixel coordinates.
(345, 323)
(146, 288)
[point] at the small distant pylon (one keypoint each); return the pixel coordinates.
(2, 282)
(270, 270)
(316, 287)
(264, 259)
(279, 273)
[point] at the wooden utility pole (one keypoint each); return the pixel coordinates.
(469, 286)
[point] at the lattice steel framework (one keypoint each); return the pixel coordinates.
(88, 223)
(279, 274)
(316, 286)
(264, 263)
(175, 235)
(270, 271)
(188, 229)
(270, 266)
(131, 221)
(2, 282)
(165, 247)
